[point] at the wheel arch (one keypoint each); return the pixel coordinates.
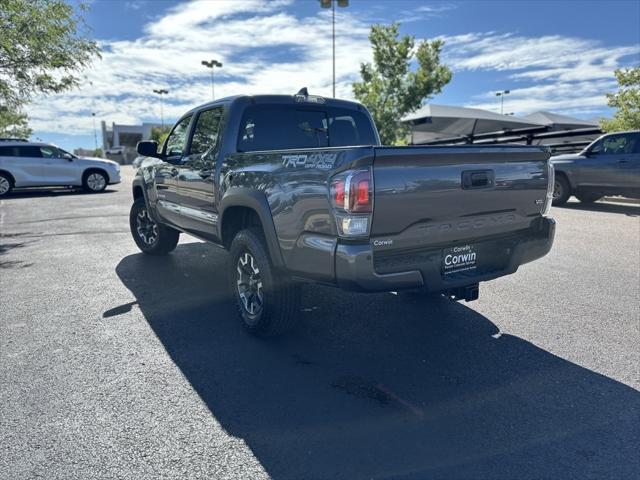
(8, 174)
(241, 208)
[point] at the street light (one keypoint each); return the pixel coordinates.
(161, 91)
(210, 64)
(332, 5)
(501, 95)
(95, 134)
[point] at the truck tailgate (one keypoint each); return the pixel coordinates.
(446, 196)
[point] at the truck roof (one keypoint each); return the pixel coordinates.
(282, 99)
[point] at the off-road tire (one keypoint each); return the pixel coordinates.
(275, 297)
(561, 190)
(164, 238)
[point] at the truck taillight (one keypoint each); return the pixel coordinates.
(352, 198)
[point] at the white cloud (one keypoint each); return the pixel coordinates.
(570, 75)
(267, 49)
(247, 36)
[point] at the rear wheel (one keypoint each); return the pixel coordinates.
(94, 181)
(561, 190)
(6, 185)
(151, 237)
(588, 197)
(267, 301)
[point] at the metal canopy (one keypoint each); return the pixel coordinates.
(559, 122)
(433, 122)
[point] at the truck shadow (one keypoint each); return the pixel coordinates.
(51, 192)
(380, 386)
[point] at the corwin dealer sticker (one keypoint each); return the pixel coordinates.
(459, 259)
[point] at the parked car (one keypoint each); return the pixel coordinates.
(30, 164)
(608, 166)
(299, 189)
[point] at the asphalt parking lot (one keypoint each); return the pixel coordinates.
(118, 365)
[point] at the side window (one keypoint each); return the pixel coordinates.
(32, 152)
(633, 141)
(8, 152)
(614, 145)
(50, 152)
(206, 132)
(177, 139)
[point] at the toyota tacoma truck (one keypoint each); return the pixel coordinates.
(298, 189)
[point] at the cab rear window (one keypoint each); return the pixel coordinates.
(282, 127)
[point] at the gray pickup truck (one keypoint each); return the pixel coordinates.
(298, 189)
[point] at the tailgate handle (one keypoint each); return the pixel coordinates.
(472, 179)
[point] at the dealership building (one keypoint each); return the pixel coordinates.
(119, 141)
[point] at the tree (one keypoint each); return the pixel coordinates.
(389, 88)
(13, 124)
(43, 45)
(160, 134)
(627, 101)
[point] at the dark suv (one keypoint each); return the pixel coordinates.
(609, 166)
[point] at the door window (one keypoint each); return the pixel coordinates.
(177, 139)
(50, 152)
(28, 151)
(206, 132)
(613, 145)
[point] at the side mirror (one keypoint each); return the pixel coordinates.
(68, 156)
(148, 149)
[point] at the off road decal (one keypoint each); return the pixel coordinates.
(322, 161)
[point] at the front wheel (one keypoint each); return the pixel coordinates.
(94, 182)
(561, 190)
(151, 237)
(267, 302)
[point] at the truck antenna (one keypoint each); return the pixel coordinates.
(303, 91)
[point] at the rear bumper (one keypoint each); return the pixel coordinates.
(356, 268)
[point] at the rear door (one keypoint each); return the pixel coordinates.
(28, 166)
(197, 173)
(58, 168)
(166, 173)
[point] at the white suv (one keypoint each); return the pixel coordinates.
(29, 164)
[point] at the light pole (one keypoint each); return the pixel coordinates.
(332, 5)
(210, 64)
(501, 95)
(161, 91)
(95, 134)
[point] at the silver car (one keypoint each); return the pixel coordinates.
(30, 164)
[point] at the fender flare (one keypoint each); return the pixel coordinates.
(138, 181)
(257, 201)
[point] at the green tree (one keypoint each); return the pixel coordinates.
(626, 100)
(390, 88)
(160, 134)
(43, 44)
(14, 124)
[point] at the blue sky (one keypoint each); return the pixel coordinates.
(552, 55)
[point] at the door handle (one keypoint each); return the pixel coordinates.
(204, 173)
(174, 172)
